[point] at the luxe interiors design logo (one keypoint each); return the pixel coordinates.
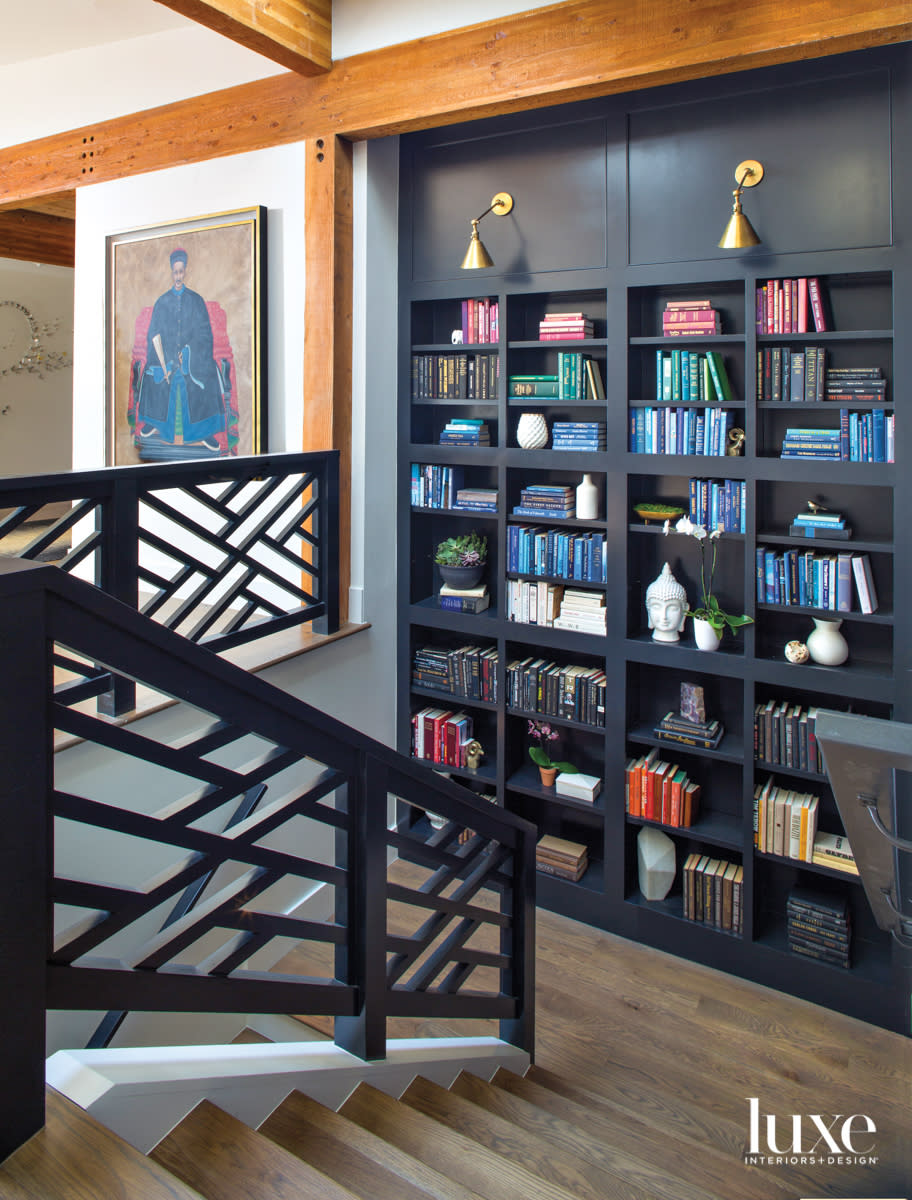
(810, 1139)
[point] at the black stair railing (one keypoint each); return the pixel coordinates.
(100, 841)
(222, 552)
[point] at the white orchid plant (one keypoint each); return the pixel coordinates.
(709, 610)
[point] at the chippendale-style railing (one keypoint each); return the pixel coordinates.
(223, 552)
(297, 904)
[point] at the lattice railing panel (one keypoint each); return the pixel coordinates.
(63, 532)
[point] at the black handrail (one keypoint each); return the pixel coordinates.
(223, 552)
(318, 770)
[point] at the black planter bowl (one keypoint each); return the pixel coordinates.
(461, 578)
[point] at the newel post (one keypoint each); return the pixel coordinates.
(26, 781)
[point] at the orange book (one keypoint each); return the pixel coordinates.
(691, 797)
(646, 782)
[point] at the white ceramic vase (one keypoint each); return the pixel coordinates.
(587, 499)
(826, 645)
(705, 636)
(532, 431)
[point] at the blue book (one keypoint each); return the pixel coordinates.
(880, 441)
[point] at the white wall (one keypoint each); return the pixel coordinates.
(36, 419)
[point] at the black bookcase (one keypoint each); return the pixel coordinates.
(866, 280)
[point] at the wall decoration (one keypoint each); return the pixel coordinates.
(22, 350)
(185, 355)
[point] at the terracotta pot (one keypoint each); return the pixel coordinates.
(548, 775)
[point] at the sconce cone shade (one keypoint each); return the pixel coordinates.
(476, 255)
(739, 232)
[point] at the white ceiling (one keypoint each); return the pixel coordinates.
(36, 28)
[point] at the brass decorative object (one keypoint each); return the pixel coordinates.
(735, 442)
(473, 754)
(739, 233)
(477, 255)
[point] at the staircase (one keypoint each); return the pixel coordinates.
(511, 1138)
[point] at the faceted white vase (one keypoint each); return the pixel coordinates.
(656, 863)
(532, 431)
(587, 500)
(826, 645)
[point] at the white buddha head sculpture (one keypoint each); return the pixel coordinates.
(666, 605)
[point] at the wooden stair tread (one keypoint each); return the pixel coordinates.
(595, 1136)
(477, 1167)
(75, 1158)
(586, 1169)
(333, 1154)
(226, 1160)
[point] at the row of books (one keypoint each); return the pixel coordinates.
(441, 736)
(553, 606)
(684, 376)
(660, 430)
(785, 821)
(480, 320)
(434, 485)
(662, 791)
(791, 306)
(690, 317)
(532, 550)
(467, 671)
(574, 693)
(546, 500)
(833, 850)
(565, 327)
(712, 892)
(861, 437)
(561, 858)
(578, 435)
(465, 431)
(819, 926)
(785, 734)
(719, 505)
(809, 580)
(455, 376)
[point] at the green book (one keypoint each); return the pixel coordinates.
(719, 376)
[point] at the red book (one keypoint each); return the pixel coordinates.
(816, 299)
(684, 316)
(802, 326)
(672, 305)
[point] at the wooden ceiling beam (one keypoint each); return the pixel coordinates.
(570, 51)
(297, 34)
(37, 237)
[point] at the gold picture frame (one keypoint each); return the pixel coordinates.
(186, 338)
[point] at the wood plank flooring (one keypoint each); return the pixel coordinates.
(662, 1051)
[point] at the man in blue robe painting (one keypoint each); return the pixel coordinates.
(181, 394)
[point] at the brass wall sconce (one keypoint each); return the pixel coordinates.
(477, 255)
(739, 232)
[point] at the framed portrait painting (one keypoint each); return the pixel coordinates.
(186, 339)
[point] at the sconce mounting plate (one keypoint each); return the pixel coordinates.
(749, 172)
(501, 204)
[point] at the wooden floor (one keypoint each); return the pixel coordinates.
(668, 1054)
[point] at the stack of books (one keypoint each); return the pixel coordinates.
(675, 728)
(582, 612)
(848, 385)
(690, 317)
(819, 926)
(465, 431)
(559, 857)
(565, 327)
(660, 791)
(468, 600)
(820, 525)
(831, 850)
(477, 499)
(785, 821)
(546, 500)
(578, 785)
(536, 386)
(811, 443)
(578, 435)
(712, 892)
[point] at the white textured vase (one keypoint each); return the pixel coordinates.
(705, 636)
(532, 431)
(587, 499)
(826, 645)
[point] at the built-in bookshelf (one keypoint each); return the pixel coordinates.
(689, 423)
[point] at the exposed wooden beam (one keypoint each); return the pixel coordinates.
(60, 204)
(294, 33)
(328, 321)
(37, 237)
(565, 52)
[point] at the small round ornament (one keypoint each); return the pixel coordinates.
(797, 652)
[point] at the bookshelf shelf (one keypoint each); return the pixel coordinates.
(631, 292)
